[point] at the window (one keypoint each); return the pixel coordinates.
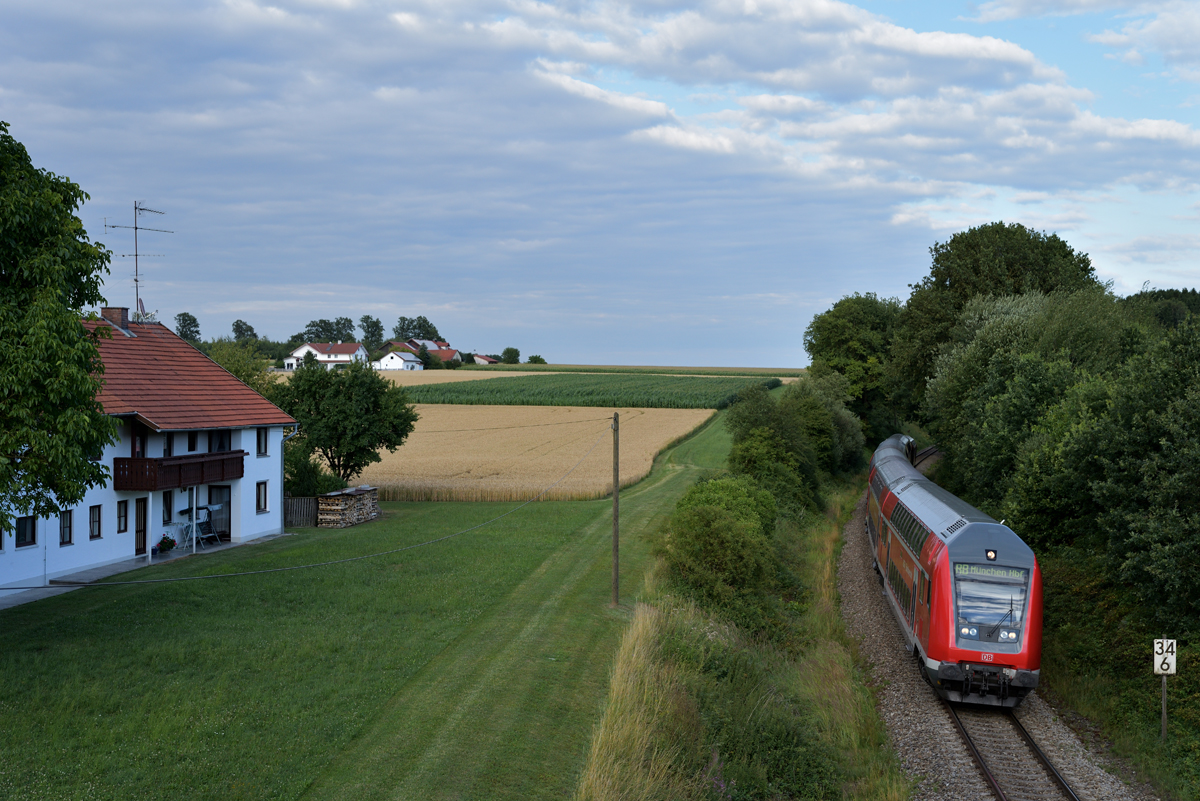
(167, 506)
(94, 523)
(219, 441)
(192, 437)
(168, 444)
(260, 497)
(64, 527)
(262, 441)
(26, 531)
(122, 516)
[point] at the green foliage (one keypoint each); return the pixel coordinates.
(243, 331)
(303, 475)
(762, 456)
(187, 327)
(579, 389)
(339, 330)
(372, 329)
(415, 328)
(243, 360)
(738, 496)
(50, 370)
(756, 409)
(510, 356)
(535, 359)
(993, 259)
(347, 416)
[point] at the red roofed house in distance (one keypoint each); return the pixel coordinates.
(330, 354)
(190, 433)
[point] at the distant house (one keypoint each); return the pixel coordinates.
(446, 354)
(189, 435)
(329, 354)
(431, 345)
(396, 344)
(399, 360)
(480, 359)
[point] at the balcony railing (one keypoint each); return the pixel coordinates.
(173, 472)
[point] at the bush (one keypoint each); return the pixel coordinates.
(510, 356)
(762, 456)
(738, 496)
(535, 359)
(304, 476)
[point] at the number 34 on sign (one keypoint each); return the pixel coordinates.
(1164, 657)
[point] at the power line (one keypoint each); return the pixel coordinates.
(323, 564)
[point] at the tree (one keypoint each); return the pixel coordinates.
(243, 360)
(992, 259)
(535, 359)
(415, 328)
(346, 416)
(510, 356)
(372, 329)
(187, 326)
(51, 424)
(339, 330)
(243, 331)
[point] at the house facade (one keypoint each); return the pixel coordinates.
(329, 354)
(189, 434)
(399, 360)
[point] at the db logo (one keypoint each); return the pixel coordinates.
(987, 657)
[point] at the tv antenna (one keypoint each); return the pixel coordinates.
(138, 210)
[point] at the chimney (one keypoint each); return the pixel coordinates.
(339, 341)
(117, 315)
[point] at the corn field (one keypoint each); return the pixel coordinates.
(612, 390)
(512, 453)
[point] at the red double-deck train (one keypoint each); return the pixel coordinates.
(966, 590)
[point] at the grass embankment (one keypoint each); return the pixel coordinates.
(609, 391)
(472, 668)
(699, 709)
(1096, 660)
(766, 372)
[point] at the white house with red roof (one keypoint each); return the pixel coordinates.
(399, 360)
(191, 436)
(330, 354)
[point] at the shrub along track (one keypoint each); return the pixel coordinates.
(922, 732)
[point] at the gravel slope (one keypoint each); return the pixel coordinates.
(921, 731)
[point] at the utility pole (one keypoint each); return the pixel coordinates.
(616, 429)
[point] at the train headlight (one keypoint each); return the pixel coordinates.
(1004, 635)
(990, 554)
(966, 632)
(974, 631)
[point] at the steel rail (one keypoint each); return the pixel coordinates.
(924, 454)
(993, 782)
(1053, 771)
(979, 760)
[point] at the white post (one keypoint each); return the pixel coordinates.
(195, 491)
(149, 527)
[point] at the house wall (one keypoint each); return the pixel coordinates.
(47, 559)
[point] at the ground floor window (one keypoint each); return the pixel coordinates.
(26, 531)
(94, 523)
(167, 506)
(260, 502)
(122, 516)
(64, 527)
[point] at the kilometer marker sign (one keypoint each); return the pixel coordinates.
(1164, 665)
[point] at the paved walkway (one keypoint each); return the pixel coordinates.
(124, 566)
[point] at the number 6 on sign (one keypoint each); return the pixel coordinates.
(1164, 657)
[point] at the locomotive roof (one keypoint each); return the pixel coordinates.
(944, 513)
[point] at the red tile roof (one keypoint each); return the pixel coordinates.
(445, 354)
(345, 348)
(169, 385)
(484, 359)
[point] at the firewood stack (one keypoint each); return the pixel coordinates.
(347, 507)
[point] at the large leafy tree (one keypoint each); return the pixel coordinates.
(338, 330)
(347, 416)
(372, 328)
(51, 424)
(187, 326)
(992, 259)
(243, 359)
(415, 328)
(243, 331)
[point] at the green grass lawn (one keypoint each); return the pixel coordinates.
(473, 668)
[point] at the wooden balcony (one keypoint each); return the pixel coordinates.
(173, 472)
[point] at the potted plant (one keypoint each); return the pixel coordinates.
(166, 543)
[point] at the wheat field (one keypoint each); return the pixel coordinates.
(511, 453)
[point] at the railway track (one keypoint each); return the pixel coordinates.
(1011, 762)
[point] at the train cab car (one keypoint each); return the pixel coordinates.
(966, 590)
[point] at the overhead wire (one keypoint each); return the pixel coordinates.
(320, 564)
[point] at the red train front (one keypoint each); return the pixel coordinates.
(966, 590)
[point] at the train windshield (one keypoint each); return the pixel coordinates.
(989, 595)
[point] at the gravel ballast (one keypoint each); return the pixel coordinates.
(928, 746)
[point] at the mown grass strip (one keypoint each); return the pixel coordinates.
(609, 391)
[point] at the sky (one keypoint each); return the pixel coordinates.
(602, 182)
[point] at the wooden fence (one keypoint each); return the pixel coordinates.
(300, 512)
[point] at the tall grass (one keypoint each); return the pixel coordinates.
(608, 391)
(699, 709)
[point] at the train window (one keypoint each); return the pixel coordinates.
(990, 600)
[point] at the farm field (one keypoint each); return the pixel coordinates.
(574, 389)
(412, 378)
(765, 372)
(475, 667)
(501, 453)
